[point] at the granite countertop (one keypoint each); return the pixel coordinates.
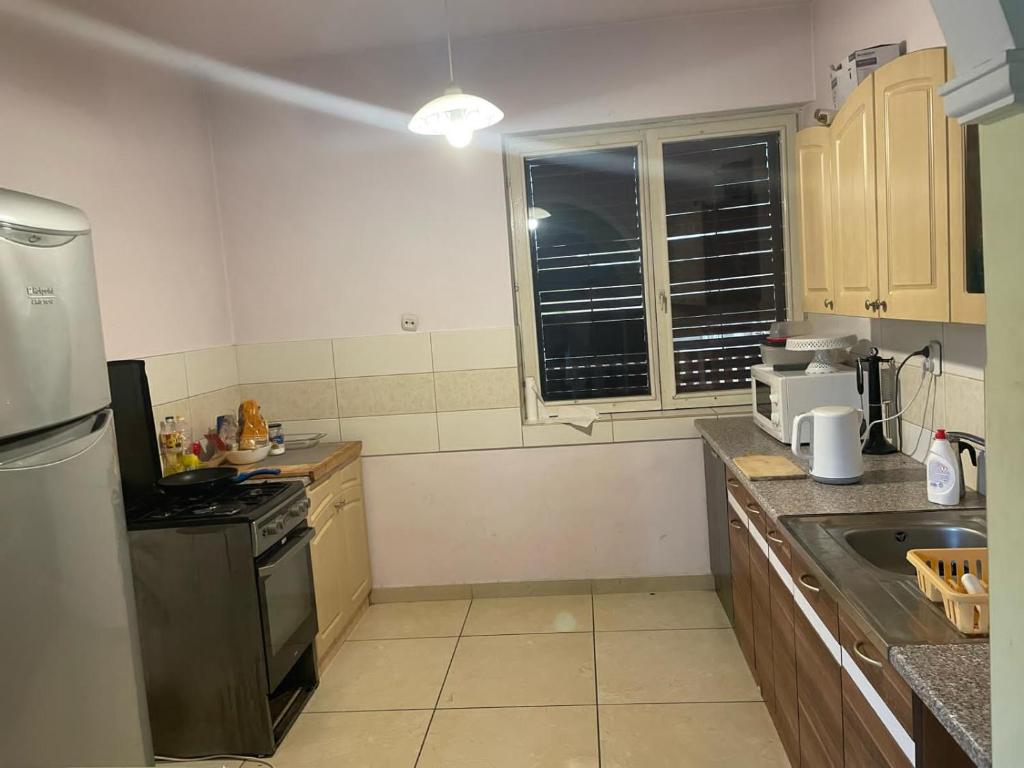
(953, 682)
(893, 483)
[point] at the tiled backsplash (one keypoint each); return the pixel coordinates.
(956, 399)
(402, 393)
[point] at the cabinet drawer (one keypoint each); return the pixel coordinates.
(743, 620)
(320, 495)
(750, 508)
(874, 665)
(867, 743)
(762, 613)
(807, 584)
(819, 697)
(778, 544)
(786, 712)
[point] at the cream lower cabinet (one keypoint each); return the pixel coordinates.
(340, 553)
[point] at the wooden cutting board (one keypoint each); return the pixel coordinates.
(758, 467)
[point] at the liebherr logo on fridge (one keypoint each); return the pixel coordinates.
(40, 295)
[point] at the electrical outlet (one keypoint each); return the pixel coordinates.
(410, 323)
(933, 363)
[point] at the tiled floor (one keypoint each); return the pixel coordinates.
(609, 681)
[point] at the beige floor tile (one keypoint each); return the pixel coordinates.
(521, 670)
(441, 618)
(659, 610)
(523, 615)
(525, 737)
(528, 737)
(688, 665)
(384, 674)
(353, 740)
(689, 736)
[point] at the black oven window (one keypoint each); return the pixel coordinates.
(289, 597)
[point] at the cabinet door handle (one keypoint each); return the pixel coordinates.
(871, 306)
(752, 508)
(864, 657)
(339, 504)
(775, 539)
(829, 304)
(810, 587)
(884, 306)
(736, 524)
(732, 483)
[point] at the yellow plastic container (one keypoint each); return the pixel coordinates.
(938, 576)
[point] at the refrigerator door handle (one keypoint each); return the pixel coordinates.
(58, 447)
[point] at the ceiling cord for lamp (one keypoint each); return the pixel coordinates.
(256, 760)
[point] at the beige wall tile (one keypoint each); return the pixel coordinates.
(910, 380)
(964, 350)
(211, 369)
(662, 428)
(207, 407)
(477, 430)
(965, 404)
(382, 355)
(175, 408)
(386, 395)
(285, 361)
(409, 433)
(332, 427)
(475, 348)
(477, 390)
(167, 381)
(537, 435)
(294, 400)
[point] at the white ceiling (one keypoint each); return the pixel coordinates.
(266, 30)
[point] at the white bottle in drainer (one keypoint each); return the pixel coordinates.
(943, 476)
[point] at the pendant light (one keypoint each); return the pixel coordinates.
(454, 115)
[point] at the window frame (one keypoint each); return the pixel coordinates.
(648, 138)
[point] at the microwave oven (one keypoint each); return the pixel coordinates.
(781, 396)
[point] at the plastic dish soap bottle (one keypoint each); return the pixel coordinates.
(943, 476)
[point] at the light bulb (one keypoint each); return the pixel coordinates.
(459, 136)
(532, 224)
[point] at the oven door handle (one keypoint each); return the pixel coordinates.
(290, 549)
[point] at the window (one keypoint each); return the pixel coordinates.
(650, 262)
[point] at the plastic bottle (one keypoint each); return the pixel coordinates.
(944, 479)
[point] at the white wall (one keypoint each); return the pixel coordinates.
(129, 145)
(344, 227)
(842, 26)
(596, 511)
(349, 226)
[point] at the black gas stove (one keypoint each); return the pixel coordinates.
(244, 502)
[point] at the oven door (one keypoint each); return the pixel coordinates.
(287, 602)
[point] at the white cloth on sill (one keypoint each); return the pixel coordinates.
(582, 416)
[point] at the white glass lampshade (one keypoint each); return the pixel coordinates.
(455, 115)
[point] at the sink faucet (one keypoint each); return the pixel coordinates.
(965, 441)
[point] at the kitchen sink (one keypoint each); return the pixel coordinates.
(887, 547)
(863, 557)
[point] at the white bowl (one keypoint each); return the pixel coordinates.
(247, 457)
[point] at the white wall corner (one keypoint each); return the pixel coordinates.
(985, 39)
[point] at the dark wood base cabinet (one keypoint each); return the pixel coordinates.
(854, 711)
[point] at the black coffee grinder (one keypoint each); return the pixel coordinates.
(877, 443)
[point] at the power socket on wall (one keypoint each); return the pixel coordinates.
(410, 323)
(933, 363)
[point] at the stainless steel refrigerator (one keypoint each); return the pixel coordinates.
(72, 690)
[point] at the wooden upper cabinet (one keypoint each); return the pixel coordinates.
(854, 222)
(912, 187)
(814, 201)
(966, 267)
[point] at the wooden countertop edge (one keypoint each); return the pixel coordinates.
(346, 453)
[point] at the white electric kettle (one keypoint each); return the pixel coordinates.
(834, 455)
